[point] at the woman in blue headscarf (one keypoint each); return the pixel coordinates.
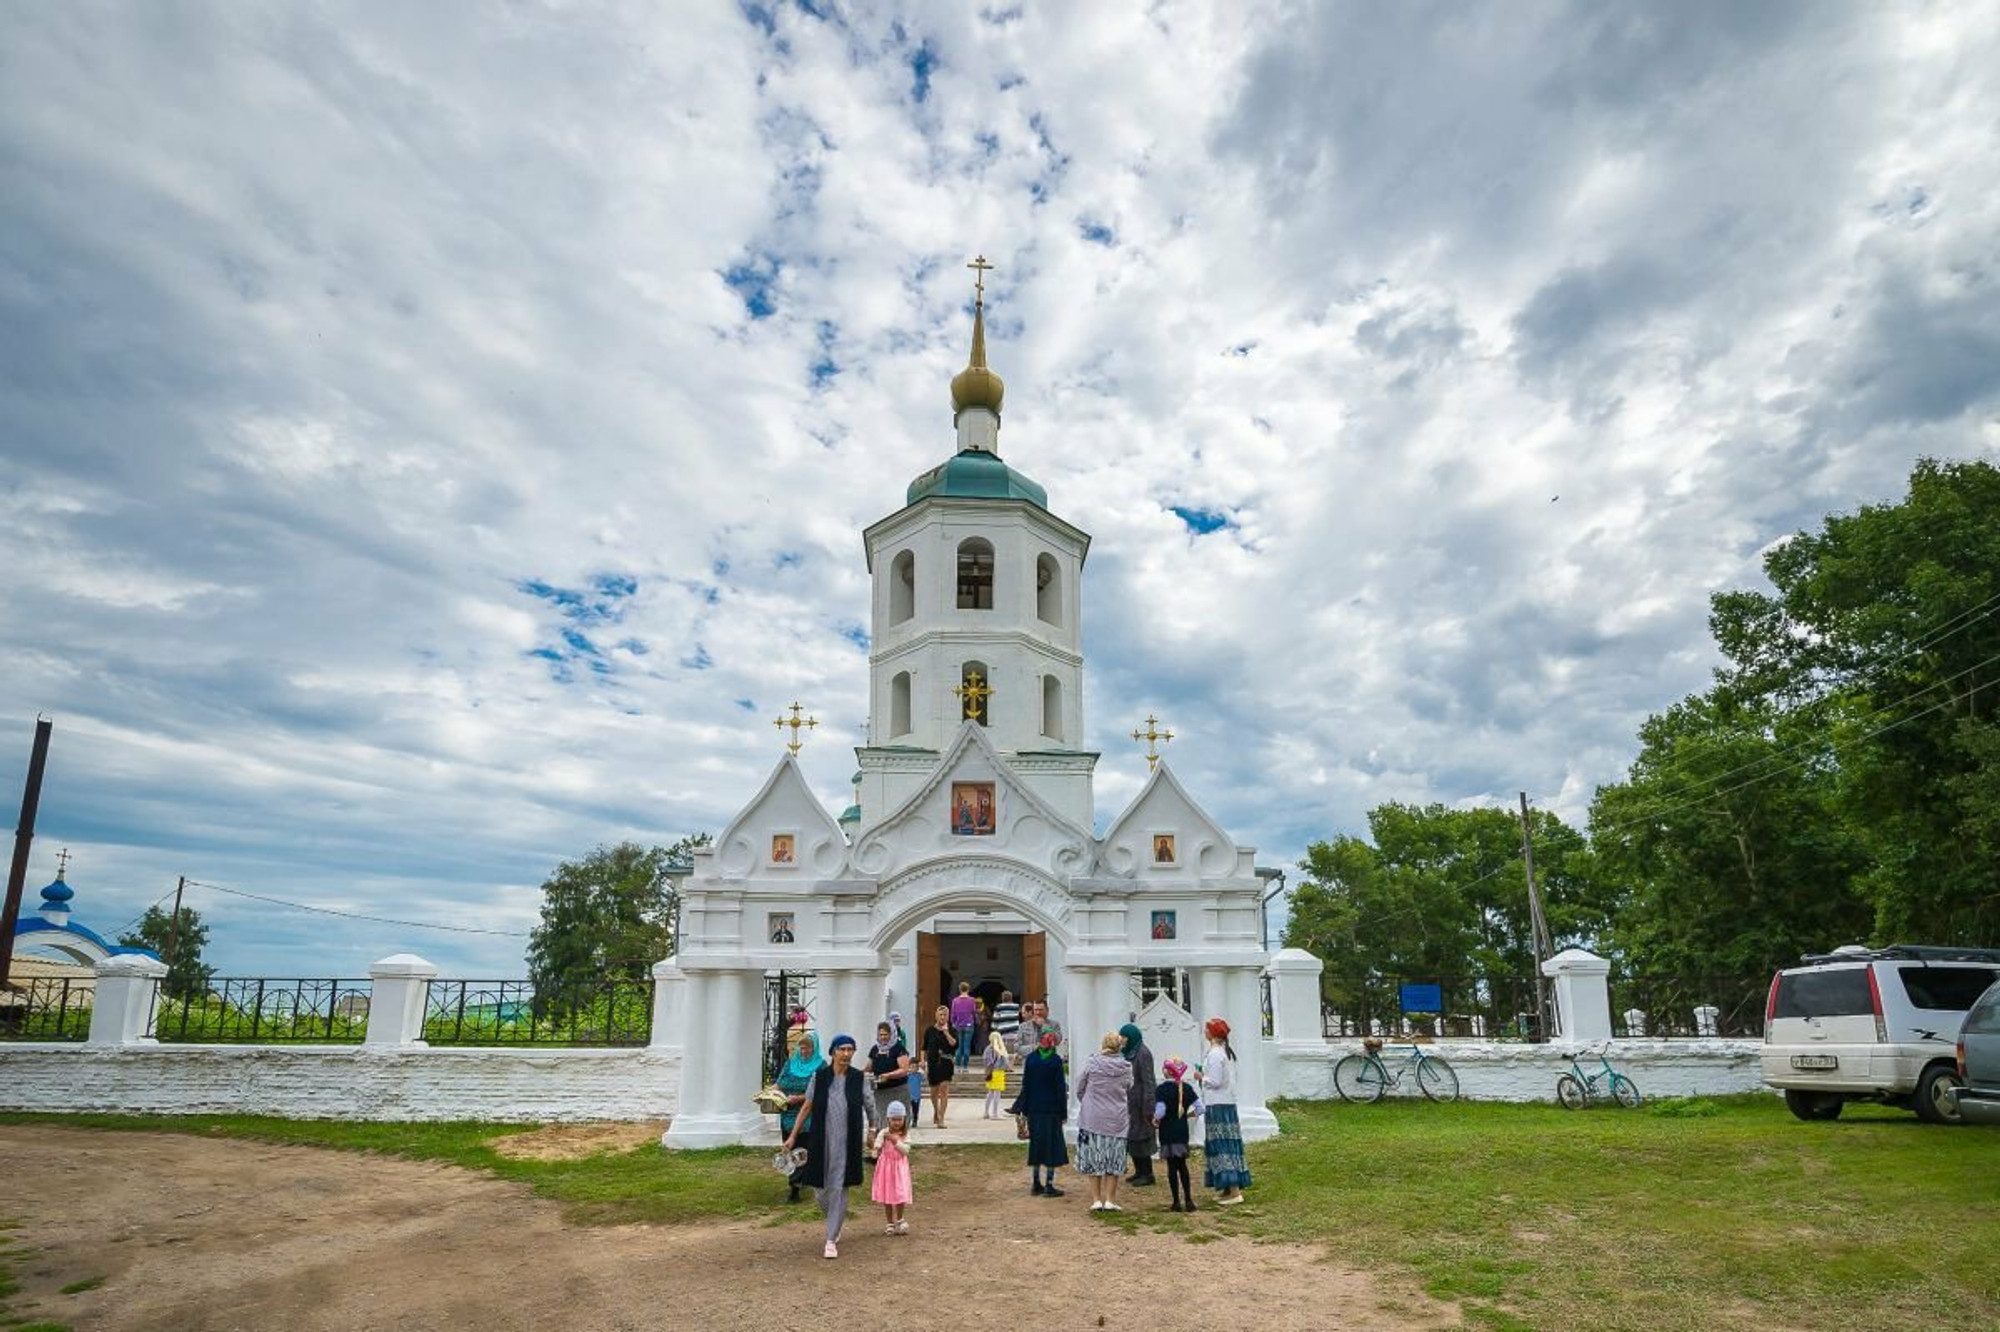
(795, 1080)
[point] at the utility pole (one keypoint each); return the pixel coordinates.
(1539, 923)
(174, 924)
(24, 838)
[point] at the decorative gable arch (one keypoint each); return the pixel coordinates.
(954, 882)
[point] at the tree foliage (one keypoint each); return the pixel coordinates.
(1842, 779)
(187, 975)
(610, 915)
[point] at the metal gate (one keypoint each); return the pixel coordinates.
(786, 994)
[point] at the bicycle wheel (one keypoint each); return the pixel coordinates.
(1436, 1080)
(1625, 1090)
(1358, 1078)
(1570, 1092)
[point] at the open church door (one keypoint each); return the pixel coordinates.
(928, 995)
(1035, 966)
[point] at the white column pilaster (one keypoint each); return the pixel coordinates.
(399, 990)
(127, 995)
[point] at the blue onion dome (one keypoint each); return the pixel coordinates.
(58, 893)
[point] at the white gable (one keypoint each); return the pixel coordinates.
(786, 807)
(1199, 846)
(1025, 827)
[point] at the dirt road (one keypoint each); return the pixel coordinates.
(205, 1235)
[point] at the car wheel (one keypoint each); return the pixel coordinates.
(1811, 1105)
(1932, 1104)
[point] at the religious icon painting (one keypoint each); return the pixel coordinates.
(972, 813)
(784, 848)
(781, 927)
(1164, 926)
(1163, 849)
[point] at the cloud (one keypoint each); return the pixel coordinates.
(428, 451)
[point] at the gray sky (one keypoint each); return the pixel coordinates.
(434, 439)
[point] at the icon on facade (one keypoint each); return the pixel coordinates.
(1164, 926)
(972, 809)
(784, 848)
(1163, 848)
(781, 927)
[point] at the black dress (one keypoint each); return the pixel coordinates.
(938, 1049)
(813, 1173)
(1044, 1099)
(1177, 1098)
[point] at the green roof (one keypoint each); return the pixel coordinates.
(976, 474)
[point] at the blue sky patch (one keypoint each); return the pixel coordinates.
(824, 367)
(698, 660)
(759, 16)
(634, 646)
(746, 704)
(1202, 521)
(1097, 234)
(922, 61)
(854, 634)
(756, 281)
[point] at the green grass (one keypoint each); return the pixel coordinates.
(1723, 1213)
(79, 1287)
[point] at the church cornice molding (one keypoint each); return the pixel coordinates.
(974, 638)
(909, 521)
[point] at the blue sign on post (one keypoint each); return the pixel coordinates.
(1423, 998)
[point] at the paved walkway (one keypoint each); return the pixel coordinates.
(962, 1126)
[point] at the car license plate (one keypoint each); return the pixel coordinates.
(1815, 1061)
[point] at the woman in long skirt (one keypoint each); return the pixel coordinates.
(1044, 1100)
(1223, 1167)
(831, 1125)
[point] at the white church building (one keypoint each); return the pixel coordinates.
(969, 852)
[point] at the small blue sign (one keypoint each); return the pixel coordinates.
(1423, 998)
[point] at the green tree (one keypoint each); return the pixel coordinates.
(187, 976)
(1883, 637)
(610, 915)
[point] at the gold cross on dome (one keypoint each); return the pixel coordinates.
(1153, 736)
(973, 694)
(797, 724)
(980, 268)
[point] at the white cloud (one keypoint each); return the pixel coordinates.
(1499, 338)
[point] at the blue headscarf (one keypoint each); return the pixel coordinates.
(840, 1040)
(806, 1059)
(1134, 1038)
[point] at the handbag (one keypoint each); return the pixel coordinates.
(1021, 1128)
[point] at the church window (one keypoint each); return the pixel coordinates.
(975, 693)
(1052, 707)
(902, 587)
(1048, 590)
(975, 574)
(899, 704)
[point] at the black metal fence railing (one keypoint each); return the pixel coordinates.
(1494, 1008)
(1680, 1007)
(514, 1012)
(47, 1008)
(263, 1010)
(787, 994)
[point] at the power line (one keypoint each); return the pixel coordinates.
(356, 915)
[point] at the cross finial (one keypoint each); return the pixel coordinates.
(62, 862)
(1153, 736)
(980, 268)
(973, 693)
(797, 723)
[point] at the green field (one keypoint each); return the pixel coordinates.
(1681, 1215)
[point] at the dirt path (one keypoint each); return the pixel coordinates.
(203, 1235)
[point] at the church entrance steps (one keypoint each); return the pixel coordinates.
(963, 1127)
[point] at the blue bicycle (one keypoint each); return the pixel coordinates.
(1576, 1088)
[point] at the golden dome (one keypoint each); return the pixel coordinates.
(977, 386)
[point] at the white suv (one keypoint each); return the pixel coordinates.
(1873, 1024)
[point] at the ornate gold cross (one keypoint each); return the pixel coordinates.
(980, 268)
(62, 862)
(973, 694)
(1152, 735)
(797, 725)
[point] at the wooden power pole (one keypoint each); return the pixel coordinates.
(1538, 922)
(24, 838)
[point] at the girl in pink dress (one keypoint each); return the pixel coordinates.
(892, 1170)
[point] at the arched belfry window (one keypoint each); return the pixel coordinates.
(902, 587)
(1048, 589)
(1052, 707)
(975, 574)
(975, 690)
(899, 705)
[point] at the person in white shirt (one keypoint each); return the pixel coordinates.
(1223, 1167)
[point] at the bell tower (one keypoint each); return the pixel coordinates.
(977, 614)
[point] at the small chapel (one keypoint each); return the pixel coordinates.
(969, 853)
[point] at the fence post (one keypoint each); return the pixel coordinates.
(128, 994)
(399, 988)
(1635, 1022)
(1705, 1020)
(1295, 1015)
(1583, 995)
(669, 1002)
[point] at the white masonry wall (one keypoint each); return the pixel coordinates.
(343, 1082)
(1510, 1072)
